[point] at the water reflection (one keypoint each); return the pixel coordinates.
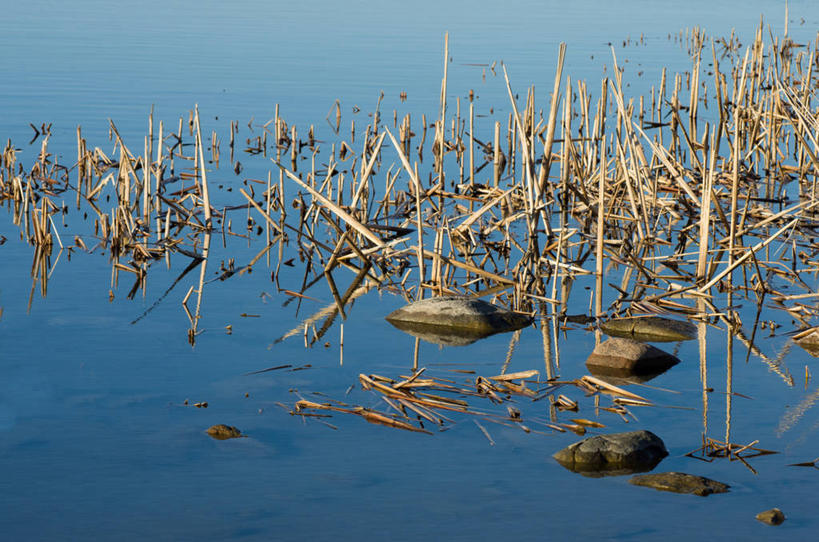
(591, 472)
(523, 236)
(434, 334)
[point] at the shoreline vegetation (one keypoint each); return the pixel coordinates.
(688, 201)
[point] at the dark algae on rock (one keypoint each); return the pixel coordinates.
(223, 432)
(650, 328)
(678, 482)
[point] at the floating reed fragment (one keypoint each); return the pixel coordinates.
(501, 399)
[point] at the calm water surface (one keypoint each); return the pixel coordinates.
(95, 440)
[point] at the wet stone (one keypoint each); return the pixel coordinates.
(621, 357)
(223, 432)
(678, 482)
(650, 328)
(774, 516)
(464, 319)
(614, 454)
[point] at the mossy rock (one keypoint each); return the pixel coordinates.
(223, 432)
(679, 482)
(774, 516)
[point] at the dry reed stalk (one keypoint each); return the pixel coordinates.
(264, 214)
(338, 211)
(203, 173)
(533, 209)
(467, 267)
(750, 252)
(550, 129)
(705, 207)
(418, 222)
(496, 157)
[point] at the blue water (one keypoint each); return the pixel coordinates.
(95, 439)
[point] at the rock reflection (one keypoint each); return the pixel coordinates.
(438, 335)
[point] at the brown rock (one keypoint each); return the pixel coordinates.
(624, 356)
(774, 516)
(223, 432)
(679, 482)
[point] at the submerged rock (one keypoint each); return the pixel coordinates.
(223, 432)
(623, 357)
(650, 328)
(774, 516)
(679, 482)
(615, 454)
(455, 320)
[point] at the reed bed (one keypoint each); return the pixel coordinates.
(691, 200)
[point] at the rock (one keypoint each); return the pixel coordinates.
(650, 328)
(467, 318)
(581, 319)
(679, 482)
(774, 516)
(621, 357)
(808, 339)
(223, 432)
(615, 454)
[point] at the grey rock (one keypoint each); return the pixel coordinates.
(463, 316)
(679, 482)
(650, 328)
(615, 454)
(774, 516)
(223, 432)
(622, 357)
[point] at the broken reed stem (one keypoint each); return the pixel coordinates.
(705, 206)
(418, 222)
(601, 226)
(746, 255)
(601, 198)
(550, 129)
(341, 213)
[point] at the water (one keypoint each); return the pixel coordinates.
(96, 439)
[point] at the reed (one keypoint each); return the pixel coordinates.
(671, 195)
